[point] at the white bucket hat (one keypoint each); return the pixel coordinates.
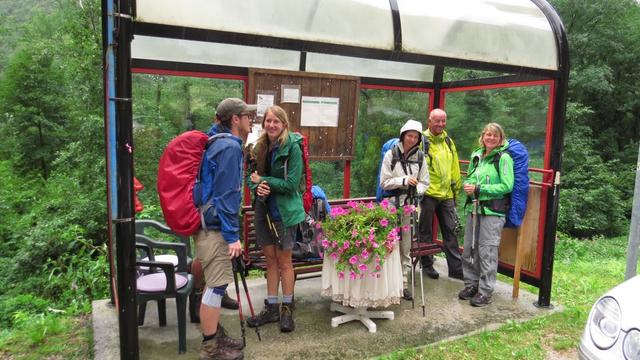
(411, 125)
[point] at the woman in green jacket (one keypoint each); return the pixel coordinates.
(278, 211)
(488, 185)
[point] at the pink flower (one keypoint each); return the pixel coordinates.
(352, 275)
(406, 228)
(384, 222)
(393, 210)
(318, 225)
(354, 233)
(362, 267)
(346, 245)
(371, 237)
(384, 203)
(375, 245)
(365, 254)
(353, 260)
(340, 274)
(352, 204)
(377, 259)
(334, 256)
(378, 267)
(371, 206)
(334, 244)
(325, 243)
(408, 209)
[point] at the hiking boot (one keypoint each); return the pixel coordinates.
(286, 318)
(430, 272)
(214, 349)
(270, 313)
(226, 341)
(228, 302)
(467, 293)
(407, 295)
(481, 300)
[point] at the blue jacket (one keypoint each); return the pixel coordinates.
(222, 172)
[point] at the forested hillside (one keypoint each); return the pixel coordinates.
(52, 198)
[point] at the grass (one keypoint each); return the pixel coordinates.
(583, 270)
(50, 336)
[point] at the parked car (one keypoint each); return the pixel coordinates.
(613, 328)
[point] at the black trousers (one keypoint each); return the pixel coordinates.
(445, 210)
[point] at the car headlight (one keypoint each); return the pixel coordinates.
(604, 324)
(631, 345)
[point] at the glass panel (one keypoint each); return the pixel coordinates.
(175, 50)
(329, 175)
(381, 115)
(164, 107)
(349, 22)
(511, 32)
(343, 65)
(522, 112)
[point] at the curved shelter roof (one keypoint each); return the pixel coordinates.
(388, 39)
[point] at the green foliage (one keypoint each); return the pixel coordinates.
(47, 336)
(24, 303)
(592, 198)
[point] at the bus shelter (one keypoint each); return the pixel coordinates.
(457, 55)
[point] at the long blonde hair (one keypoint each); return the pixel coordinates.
(262, 144)
(494, 128)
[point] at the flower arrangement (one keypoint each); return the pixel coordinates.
(360, 236)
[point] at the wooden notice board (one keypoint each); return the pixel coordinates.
(334, 142)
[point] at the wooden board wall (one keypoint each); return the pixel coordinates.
(529, 238)
(325, 143)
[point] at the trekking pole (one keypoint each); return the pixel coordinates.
(414, 222)
(235, 282)
(407, 200)
(474, 226)
(414, 225)
(243, 274)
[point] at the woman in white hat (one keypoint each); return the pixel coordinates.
(405, 174)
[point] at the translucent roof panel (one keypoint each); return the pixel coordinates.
(348, 22)
(344, 65)
(513, 32)
(503, 32)
(198, 52)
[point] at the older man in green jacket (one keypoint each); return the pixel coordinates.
(439, 199)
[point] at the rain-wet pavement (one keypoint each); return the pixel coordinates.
(446, 317)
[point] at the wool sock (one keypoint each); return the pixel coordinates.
(272, 299)
(287, 299)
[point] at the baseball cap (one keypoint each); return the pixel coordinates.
(233, 106)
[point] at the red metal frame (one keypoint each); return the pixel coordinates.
(548, 174)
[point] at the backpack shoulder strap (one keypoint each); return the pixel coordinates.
(395, 156)
(496, 162)
(448, 140)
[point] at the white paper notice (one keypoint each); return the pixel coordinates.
(290, 94)
(319, 111)
(263, 102)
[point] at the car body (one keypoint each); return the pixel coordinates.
(613, 327)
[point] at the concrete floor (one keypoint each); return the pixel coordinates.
(314, 338)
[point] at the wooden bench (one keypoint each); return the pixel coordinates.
(310, 268)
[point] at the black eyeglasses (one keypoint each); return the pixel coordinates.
(250, 115)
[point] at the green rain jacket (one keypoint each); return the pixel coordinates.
(444, 168)
(287, 192)
(489, 184)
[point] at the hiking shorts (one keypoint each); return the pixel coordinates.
(265, 236)
(213, 252)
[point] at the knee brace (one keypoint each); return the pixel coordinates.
(213, 296)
